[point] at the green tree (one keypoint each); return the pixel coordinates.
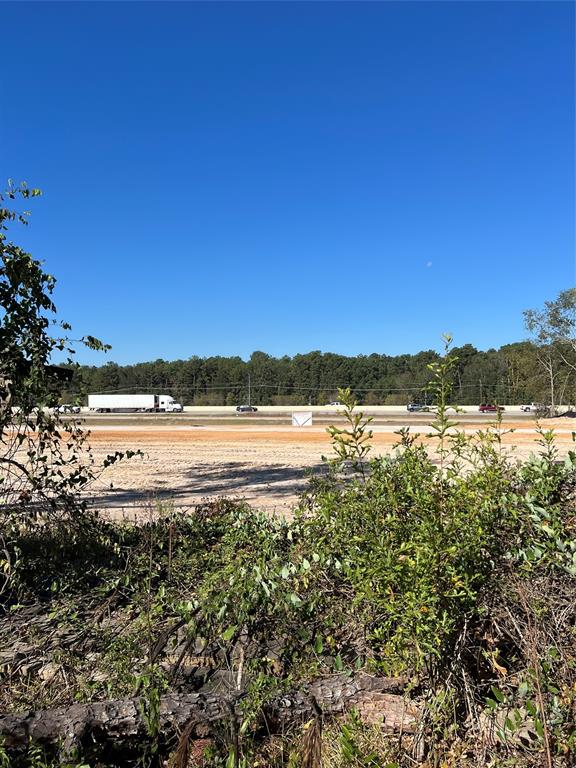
(42, 467)
(556, 322)
(554, 331)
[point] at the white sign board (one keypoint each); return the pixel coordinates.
(302, 419)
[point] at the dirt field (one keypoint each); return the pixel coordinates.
(265, 465)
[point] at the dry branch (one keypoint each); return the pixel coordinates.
(375, 698)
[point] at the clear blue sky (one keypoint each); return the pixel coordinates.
(350, 177)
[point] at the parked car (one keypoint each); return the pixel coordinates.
(417, 407)
(67, 408)
(335, 404)
(246, 408)
(490, 408)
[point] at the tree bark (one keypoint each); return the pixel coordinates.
(376, 699)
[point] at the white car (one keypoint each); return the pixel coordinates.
(531, 408)
(335, 404)
(67, 408)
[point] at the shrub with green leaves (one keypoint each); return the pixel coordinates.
(45, 462)
(452, 565)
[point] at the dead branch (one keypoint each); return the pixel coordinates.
(376, 699)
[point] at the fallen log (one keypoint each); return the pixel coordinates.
(376, 699)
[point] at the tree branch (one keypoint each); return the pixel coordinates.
(376, 699)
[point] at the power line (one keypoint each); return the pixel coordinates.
(324, 387)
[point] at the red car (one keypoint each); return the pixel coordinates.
(490, 408)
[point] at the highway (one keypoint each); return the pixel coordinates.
(275, 415)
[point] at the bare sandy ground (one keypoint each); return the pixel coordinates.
(268, 466)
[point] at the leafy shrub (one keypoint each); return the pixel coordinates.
(453, 566)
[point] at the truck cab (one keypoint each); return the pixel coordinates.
(168, 404)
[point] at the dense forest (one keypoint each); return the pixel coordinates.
(512, 374)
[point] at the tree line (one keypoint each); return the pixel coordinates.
(514, 373)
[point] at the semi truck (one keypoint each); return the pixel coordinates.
(133, 404)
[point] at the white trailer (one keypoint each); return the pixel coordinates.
(133, 404)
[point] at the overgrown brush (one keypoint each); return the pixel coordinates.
(454, 568)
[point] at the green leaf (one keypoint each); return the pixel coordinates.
(539, 728)
(498, 695)
(522, 689)
(295, 599)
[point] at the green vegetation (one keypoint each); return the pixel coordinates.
(554, 329)
(461, 581)
(43, 468)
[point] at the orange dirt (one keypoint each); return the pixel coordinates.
(267, 466)
(297, 436)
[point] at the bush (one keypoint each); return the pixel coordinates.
(454, 567)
